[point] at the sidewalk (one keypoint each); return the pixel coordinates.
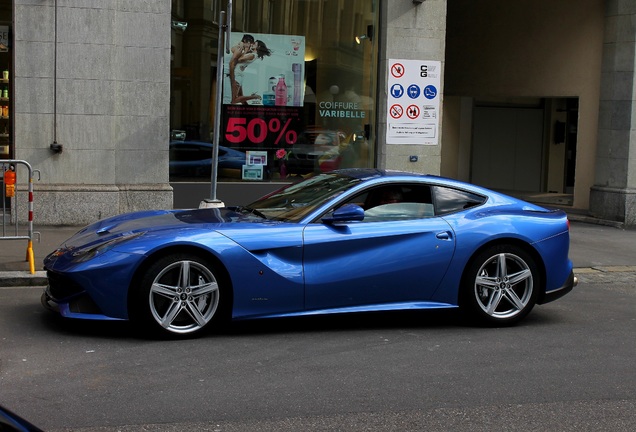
(595, 246)
(14, 267)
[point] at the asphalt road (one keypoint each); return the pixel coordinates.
(568, 367)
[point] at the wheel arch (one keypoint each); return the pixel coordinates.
(204, 254)
(527, 247)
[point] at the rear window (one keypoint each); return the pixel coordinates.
(449, 200)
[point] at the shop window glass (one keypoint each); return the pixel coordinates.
(298, 87)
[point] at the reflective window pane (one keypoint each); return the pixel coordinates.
(298, 85)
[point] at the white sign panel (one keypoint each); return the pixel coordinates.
(413, 102)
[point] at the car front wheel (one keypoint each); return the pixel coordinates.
(501, 285)
(179, 295)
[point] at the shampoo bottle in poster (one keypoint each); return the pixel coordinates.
(296, 70)
(281, 91)
(269, 97)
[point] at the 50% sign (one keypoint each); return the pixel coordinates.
(257, 130)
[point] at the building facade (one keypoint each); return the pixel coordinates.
(115, 102)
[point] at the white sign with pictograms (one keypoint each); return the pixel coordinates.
(414, 102)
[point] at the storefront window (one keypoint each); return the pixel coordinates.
(298, 88)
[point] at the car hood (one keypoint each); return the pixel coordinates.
(158, 221)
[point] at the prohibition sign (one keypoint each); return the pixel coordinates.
(397, 70)
(396, 111)
(413, 112)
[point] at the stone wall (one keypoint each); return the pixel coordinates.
(613, 195)
(93, 76)
(412, 31)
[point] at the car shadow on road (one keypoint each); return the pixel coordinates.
(398, 320)
(347, 322)
(307, 324)
(89, 328)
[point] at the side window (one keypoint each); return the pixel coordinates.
(395, 202)
(449, 200)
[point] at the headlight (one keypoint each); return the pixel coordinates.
(85, 254)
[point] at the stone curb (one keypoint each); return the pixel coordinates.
(605, 269)
(17, 278)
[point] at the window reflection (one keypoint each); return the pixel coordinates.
(299, 92)
(450, 200)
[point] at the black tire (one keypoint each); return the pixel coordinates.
(500, 285)
(179, 296)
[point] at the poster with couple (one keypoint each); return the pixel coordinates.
(265, 70)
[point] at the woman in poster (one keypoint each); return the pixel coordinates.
(243, 54)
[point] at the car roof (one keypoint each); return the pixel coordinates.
(371, 173)
(377, 176)
(201, 143)
(179, 143)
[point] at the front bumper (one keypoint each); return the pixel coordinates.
(80, 307)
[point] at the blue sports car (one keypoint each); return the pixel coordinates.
(11, 422)
(346, 241)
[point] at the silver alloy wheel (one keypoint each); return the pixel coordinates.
(184, 297)
(503, 286)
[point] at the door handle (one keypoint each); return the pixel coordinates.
(444, 235)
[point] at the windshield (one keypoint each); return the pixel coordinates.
(297, 200)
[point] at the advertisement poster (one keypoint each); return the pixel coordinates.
(263, 93)
(413, 102)
(265, 70)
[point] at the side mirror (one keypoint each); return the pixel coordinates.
(346, 213)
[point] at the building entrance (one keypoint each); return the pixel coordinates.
(528, 150)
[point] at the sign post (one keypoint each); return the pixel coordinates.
(225, 27)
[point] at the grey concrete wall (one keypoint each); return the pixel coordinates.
(411, 32)
(613, 195)
(112, 106)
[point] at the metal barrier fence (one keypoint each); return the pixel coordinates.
(14, 197)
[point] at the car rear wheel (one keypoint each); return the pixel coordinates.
(501, 285)
(179, 295)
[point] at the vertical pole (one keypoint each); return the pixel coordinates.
(224, 30)
(30, 255)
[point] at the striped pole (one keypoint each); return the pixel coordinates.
(30, 256)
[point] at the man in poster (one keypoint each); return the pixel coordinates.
(263, 92)
(243, 54)
(281, 60)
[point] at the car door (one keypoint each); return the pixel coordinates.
(366, 263)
